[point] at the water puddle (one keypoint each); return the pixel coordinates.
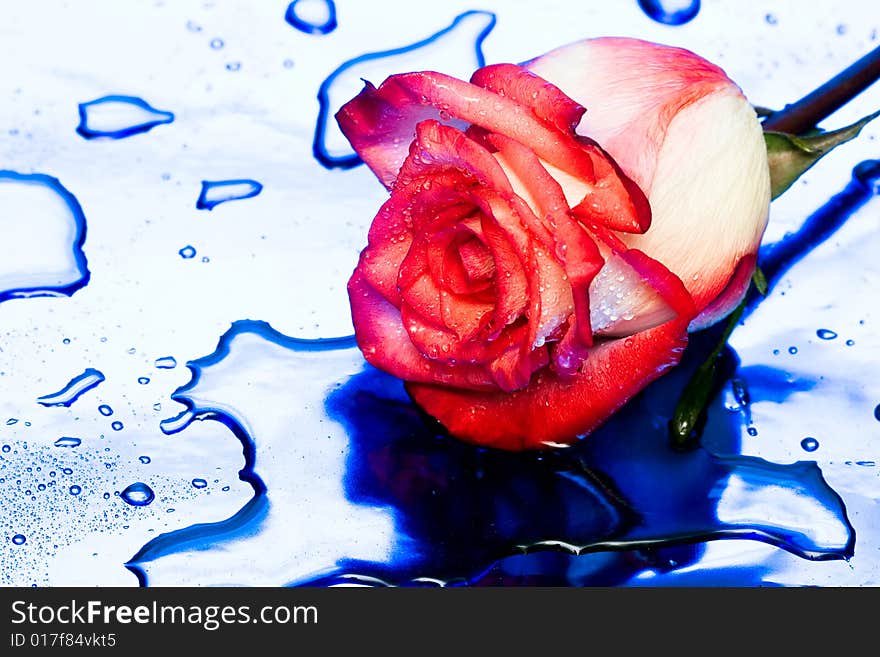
(357, 484)
(44, 229)
(215, 192)
(116, 117)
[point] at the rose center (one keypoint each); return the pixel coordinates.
(468, 265)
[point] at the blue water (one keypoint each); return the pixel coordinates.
(402, 503)
(671, 12)
(42, 256)
(215, 192)
(312, 16)
(456, 50)
(73, 389)
(116, 117)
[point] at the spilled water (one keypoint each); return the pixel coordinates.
(277, 460)
(399, 503)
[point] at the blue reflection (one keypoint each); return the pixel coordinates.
(377, 493)
(312, 16)
(458, 52)
(117, 117)
(30, 264)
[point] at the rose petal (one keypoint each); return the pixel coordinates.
(679, 127)
(554, 410)
(546, 100)
(378, 120)
(633, 292)
(385, 344)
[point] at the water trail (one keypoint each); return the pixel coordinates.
(74, 389)
(455, 50)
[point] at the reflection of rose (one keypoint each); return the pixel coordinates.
(516, 279)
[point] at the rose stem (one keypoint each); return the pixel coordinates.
(804, 114)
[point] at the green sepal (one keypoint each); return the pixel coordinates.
(760, 282)
(789, 156)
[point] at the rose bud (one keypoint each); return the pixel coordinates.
(536, 264)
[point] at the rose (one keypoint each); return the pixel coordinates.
(518, 279)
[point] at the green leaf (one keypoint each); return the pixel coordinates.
(695, 396)
(789, 156)
(760, 282)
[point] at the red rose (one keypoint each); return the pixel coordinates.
(515, 278)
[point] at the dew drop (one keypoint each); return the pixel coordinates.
(876, 416)
(67, 441)
(792, 350)
(117, 426)
(138, 494)
(216, 44)
(752, 431)
(11, 421)
(187, 252)
(826, 334)
(671, 12)
(810, 444)
(850, 343)
(771, 19)
(6, 449)
(105, 410)
(199, 483)
(144, 459)
(233, 66)
(75, 490)
(19, 539)
(143, 380)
